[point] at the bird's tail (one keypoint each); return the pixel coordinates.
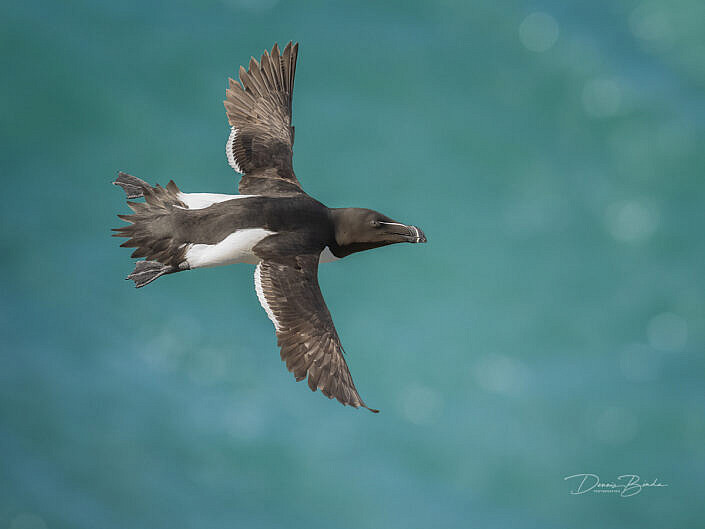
(150, 229)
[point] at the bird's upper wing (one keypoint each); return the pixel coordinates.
(261, 136)
(287, 288)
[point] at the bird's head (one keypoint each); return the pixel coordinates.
(358, 229)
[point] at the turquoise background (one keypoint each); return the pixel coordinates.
(553, 325)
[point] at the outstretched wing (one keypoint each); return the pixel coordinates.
(261, 136)
(288, 290)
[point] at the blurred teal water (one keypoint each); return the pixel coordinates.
(554, 324)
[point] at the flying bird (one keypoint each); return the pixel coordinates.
(273, 223)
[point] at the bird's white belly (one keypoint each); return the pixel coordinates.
(235, 248)
(205, 200)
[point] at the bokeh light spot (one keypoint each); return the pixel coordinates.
(631, 220)
(651, 23)
(501, 374)
(419, 404)
(538, 32)
(667, 332)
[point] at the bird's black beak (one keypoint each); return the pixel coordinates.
(416, 234)
(405, 233)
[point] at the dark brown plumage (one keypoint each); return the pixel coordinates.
(260, 110)
(309, 343)
(150, 230)
(275, 225)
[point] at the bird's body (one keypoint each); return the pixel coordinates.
(223, 229)
(273, 224)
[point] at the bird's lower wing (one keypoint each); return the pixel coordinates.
(288, 290)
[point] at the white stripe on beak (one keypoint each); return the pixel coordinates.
(416, 230)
